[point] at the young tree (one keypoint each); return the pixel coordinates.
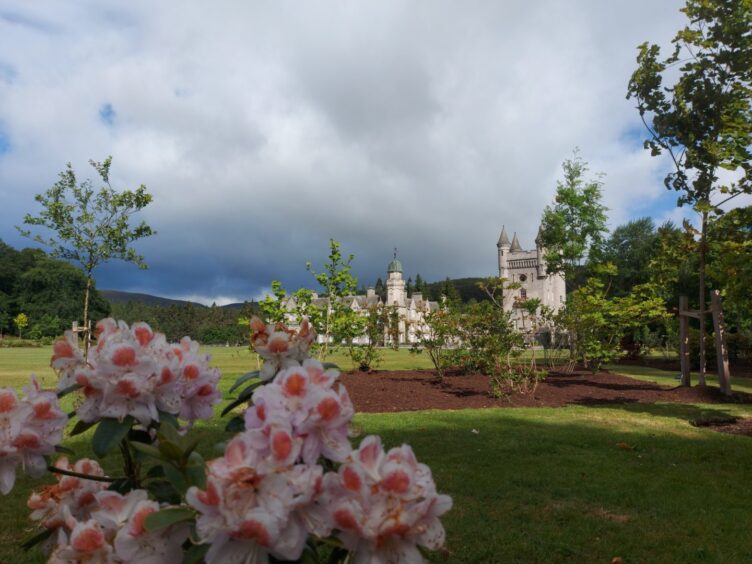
(90, 227)
(572, 228)
(337, 282)
(21, 321)
(703, 118)
(273, 305)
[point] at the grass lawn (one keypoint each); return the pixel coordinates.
(669, 377)
(580, 484)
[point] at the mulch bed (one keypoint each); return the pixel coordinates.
(389, 391)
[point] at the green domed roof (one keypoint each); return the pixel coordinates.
(394, 266)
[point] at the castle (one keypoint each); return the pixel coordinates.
(528, 269)
(411, 309)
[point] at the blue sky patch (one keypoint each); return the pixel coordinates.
(107, 114)
(4, 142)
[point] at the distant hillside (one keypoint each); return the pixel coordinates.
(120, 297)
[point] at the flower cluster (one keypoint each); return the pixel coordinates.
(30, 428)
(75, 493)
(268, 493)
(385, 505)
(114, 532)
(279, 346)
(134, 371)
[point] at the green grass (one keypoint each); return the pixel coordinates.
(668, 377)
(537, 485)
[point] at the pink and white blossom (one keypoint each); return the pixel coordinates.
(76, 493)
(384, 505)
(134, 371)
(30, 428)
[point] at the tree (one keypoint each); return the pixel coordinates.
(703, 118)
(380, 289)
(572, 228)
(449, 291)
(21, 321)
(631, 247)
(91, 227)
(337, 282)
(420, 284)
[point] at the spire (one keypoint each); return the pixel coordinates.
(503, 238)
(539, 236)
(515, 245)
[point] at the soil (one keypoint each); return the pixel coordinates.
(388, 391)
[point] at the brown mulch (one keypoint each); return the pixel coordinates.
(385, 391)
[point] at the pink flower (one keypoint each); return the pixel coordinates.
(134, 543)
(279, 346)
(134, 371)
(254, 504)
(30, 428)
(77, 494)
(317, 414)
(384, 506)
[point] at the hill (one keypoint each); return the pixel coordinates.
(120, 297)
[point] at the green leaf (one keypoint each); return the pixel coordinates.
(64, 450)
(81, 427)
(244, 378)
(37, 538)
(328, 365)
(108, 435)
(167, 517)
(195, 554)
(163, 492)
(236, 424)
(195, 470)
(169, 418)
(175, 477)
(170, 450)
(148, 450)
(70, 389)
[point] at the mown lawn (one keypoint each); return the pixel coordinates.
(580, 484)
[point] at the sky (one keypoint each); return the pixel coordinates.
(263, 129)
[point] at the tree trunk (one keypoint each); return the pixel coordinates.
(86, 316)
(701, 379)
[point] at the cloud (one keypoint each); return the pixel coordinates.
(264, 129)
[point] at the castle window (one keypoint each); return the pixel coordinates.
(523, 292)
(523, 277)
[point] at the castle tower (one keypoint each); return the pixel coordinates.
(395, 285)
(503, 246)
(540, 253)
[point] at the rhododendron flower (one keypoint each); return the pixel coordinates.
(384, 506)
(134, 371)
(114, 532)
(304, 397)
(30, 428)
(246, 513)
(87, 544)
(77, 494)
(279, 346)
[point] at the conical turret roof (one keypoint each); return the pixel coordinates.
(515, 248)
(503, 238)
(539, 236)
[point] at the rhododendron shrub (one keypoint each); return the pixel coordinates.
(289, 485)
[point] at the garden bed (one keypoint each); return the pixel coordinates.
(388, 391)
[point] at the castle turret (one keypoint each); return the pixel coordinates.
(503, 250)
(395, 285)
(540, 253)
(515, 248)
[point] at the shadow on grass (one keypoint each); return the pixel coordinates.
(684, 412)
